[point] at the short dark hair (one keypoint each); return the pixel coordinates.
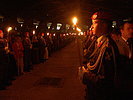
(124, 22)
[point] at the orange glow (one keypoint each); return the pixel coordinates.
(64, 34)
(9, 29)
(75, 20)
(42, 34)
(78, 29)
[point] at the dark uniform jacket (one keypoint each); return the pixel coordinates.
(101, 67)
(3, 61)
(103, 60)
(125, 70)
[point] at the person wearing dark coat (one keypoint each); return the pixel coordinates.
(4, 62)
(35, 50)
(27, 52)
(99, 75)
(42, 46)
(125, 46)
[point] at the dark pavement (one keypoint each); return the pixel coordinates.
(56, 79)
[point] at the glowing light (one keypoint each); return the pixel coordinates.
(75, 20)
(81, 33)
(64, 34)
(9, 29)
(49, 25)
(36, 26)
(42, 34)
(78, 29)
(53, 34)
(21, 25)
(73, 33)
(59, 26)
(47, 34)
(113, 26)
(34, 32)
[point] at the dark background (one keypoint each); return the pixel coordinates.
(64, 10)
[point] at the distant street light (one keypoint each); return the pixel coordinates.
(75, 20)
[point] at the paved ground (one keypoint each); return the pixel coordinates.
(56, 79)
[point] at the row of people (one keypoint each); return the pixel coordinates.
(18, 54)
(108, 66)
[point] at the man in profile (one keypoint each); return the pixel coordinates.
(102, 62)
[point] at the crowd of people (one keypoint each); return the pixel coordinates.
(19, 52)
(107, 69)
(108, 57)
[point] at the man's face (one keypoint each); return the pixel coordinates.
(127, 31)
(97, 27)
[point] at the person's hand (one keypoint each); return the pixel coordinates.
(83, 69)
